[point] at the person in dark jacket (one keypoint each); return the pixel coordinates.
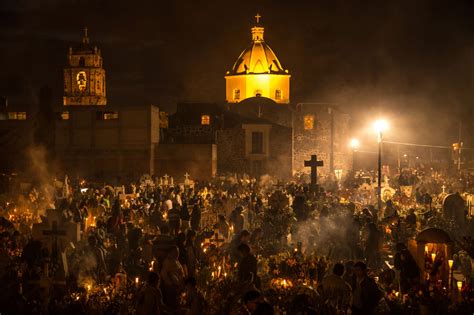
(365, 292)
(247, 267)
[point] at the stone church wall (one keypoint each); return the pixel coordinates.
(318, 140)
(231, 151)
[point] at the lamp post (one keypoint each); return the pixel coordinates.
(354, 146)
(380, 126)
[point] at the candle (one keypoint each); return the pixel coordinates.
(137, 281)
(218, 271)
(426, 249)
(433, 256)
(450, 263)
(459, 283)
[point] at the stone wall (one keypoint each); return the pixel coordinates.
(177, 159)
(318, 140)
(231, 151)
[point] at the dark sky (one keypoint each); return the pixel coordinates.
(410, 60)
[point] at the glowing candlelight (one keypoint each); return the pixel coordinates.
(459, 284)
(433, 256)
(212, 275)
(450, 263)
(397, 293)
(296, 249)
(218, 271)
(89, 287)
(426, 249)
(137, 281)
(225, 274)
(284, 283)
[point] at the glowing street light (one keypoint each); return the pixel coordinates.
(380, 126)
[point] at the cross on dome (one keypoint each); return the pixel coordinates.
(257, 17)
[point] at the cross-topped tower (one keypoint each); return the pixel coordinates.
(85, 39)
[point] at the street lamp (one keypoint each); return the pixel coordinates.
(380, 126)
(354, 144)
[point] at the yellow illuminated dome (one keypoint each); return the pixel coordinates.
(258, 57)
(258, 72)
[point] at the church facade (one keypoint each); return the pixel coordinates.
(259, 129)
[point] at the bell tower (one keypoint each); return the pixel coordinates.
(84, 77)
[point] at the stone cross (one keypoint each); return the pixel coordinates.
(314, 164)
(56, 234)
(443, 188)
(186, 177)
(216, 240)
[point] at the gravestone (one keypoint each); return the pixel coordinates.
(313, 163)
(454, 208)
(56, 234)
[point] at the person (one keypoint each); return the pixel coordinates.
(149, 300)
(174, 221)
(172, 274)
(222, 226)
(183, 254)
(195, 302)
(251, 300)
(406, 264)
(242, 238)
(372, 245)
(247, 267)
(162, 243)
(237, 219)
(196, 217)
(192, 253)
(366, 294)
(335, 291)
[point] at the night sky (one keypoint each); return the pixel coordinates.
(413, 60)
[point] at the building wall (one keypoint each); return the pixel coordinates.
(122, 147)
(177, 159)
(318, 140)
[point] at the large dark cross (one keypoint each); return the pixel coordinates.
(314, 164)
(54, 233)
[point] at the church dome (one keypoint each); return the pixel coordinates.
(258, 58)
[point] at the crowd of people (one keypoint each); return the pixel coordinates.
(230, 246)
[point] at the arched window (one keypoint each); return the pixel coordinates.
(205, 120)
(278, 94)
(308, 122)
(236, 94)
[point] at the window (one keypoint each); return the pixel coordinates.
(17, 115)
(107, 115)
(236, 94)
(205, 120)
(278, 94)
(82, 62)
(257, 142)
(63, 116)
(308, 122)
